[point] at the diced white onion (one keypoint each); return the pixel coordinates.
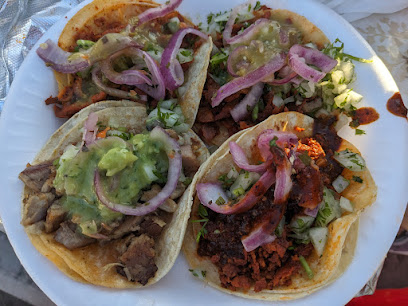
(318, 237)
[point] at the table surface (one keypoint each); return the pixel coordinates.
(387, 34)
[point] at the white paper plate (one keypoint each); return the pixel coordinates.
(26, 123)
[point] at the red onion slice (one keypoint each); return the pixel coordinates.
(90, 129)
(249, 80)
(170, 67)
(248, 32)
(312, 212)
(158, 90)
(240, 111)
(58, 59)
(285, 80)
(299, 56)
(256, 239)
(240, 159)
(154, 87)
(283, 184)
(113, 91)
(209, 193)
(172, 149)
(158, 12)
(265, 226)
(128, 77)
(231, 59)
(285, 140)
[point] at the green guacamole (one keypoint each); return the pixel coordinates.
(126, 168)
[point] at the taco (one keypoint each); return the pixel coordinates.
(134, 50)
(103, 198)
(275, 209)
(268, 61)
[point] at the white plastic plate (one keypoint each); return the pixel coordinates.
(26, 123)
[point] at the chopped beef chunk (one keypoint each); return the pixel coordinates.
(70, 238)
(128, 225)
(35, 176)
(152, 226)
(35, 208)
(138, 259)
(190, 161)
(55, 216)
(169, 205)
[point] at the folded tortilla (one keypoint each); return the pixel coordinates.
(100, 16)
(343, 232)
(88, 264)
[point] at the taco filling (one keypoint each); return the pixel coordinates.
(261, 222)
(144, 58)
(114, 189)
(265, 62)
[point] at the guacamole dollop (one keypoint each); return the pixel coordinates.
(126, 169)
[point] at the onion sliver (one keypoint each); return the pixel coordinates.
(59, 59)
(249, 80)
(285, 80)
(312, 212)
(112, 91)
(170, 67)
(299, 56)
(240, 110)
(158, 12)
(283, 140)
(210, 195)
(90, 129)
(247, 33)
(128, 77)
(231, 58)
(240, 159)
(154, 87)
(283, 184)
(257, 238)
(172, 149)
(265, 227)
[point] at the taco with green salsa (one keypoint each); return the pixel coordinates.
(103, 198)
(133, 50)
(266, 61)
(275, 209)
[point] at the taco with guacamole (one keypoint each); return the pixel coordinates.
(133, 50)
(266, 61)
(103, 198)
(275, 209)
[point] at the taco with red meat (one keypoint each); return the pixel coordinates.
(276, 208)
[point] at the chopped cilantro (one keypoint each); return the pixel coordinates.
(255, 112)
(220, 201)
(257, 5)
(203, 213)
(360, 132)
(272, 143)
(357, 179)
(354, 123)
(305, 158)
